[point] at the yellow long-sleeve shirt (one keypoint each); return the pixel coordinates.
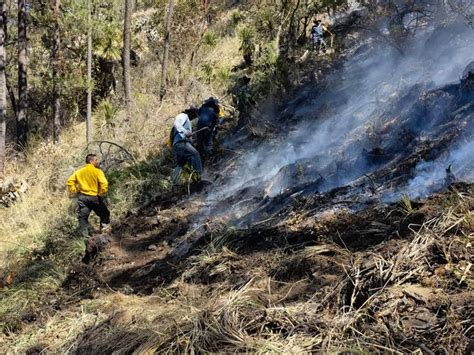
(88, 180)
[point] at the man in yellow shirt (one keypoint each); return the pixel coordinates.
(90, 185)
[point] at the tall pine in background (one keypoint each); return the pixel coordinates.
(55, 64)
(22, 123)
(3, 87)
(126, 55)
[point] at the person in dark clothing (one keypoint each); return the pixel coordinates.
(208, 117)
(181, 137)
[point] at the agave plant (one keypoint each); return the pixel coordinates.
(108, 111)
(210, 39)
(207, 70)
(247, 43)
(223, 73)
(236, 17)
(109, 44)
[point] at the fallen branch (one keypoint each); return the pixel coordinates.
(115, 144)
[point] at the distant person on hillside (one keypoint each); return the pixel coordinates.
(317, 35)
(209, 114)
(90, 185)
(180, 137)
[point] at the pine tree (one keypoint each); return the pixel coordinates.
(3, 87)
(55, 53)
(89, 74)
(126, 55)
(164, 62)
(22, 123)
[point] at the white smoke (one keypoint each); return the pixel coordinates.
(431, 176)
(338, 122)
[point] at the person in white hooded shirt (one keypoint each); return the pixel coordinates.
(317, 34)
(181, 137)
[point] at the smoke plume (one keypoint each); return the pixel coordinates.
(353, 123)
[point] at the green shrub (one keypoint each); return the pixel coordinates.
(235, 18)
(210, 39)
(247, 43)
(207, 72)
(223, 74)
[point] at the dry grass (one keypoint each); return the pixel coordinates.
(365, 310)
(45, 169)
(36, 231)
(368, 311)
(378, 302)
(59, 332)
(372, 281)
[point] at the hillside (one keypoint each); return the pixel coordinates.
(337, 216)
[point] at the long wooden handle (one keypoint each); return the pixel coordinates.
(199, 130)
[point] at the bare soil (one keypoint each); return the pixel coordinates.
(349, 261)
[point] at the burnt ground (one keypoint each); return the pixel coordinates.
(403, 265)
(328, 253)
(323, 256)
(341, 264)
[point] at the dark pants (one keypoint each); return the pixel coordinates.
(86, 204)
(319, 43)
(204, 143)
(185, 153)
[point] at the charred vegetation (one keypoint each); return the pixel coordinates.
(338, 217)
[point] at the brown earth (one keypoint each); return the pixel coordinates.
(394, 279)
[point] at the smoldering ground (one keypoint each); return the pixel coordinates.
(378, 109)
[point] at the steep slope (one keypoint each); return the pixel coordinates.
(342, 231)
(313, 242)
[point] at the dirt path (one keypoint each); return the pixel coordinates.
(144, 240)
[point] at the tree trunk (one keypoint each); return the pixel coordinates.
(3, 88)
(89, 75)
(54, 4)
(126, 56)
(166, 43)
(11, 93)
(10, 90)
(291, 37)
(22, 123)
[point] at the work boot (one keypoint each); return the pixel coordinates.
(94, 245)
(91, 250)
(105, 228)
